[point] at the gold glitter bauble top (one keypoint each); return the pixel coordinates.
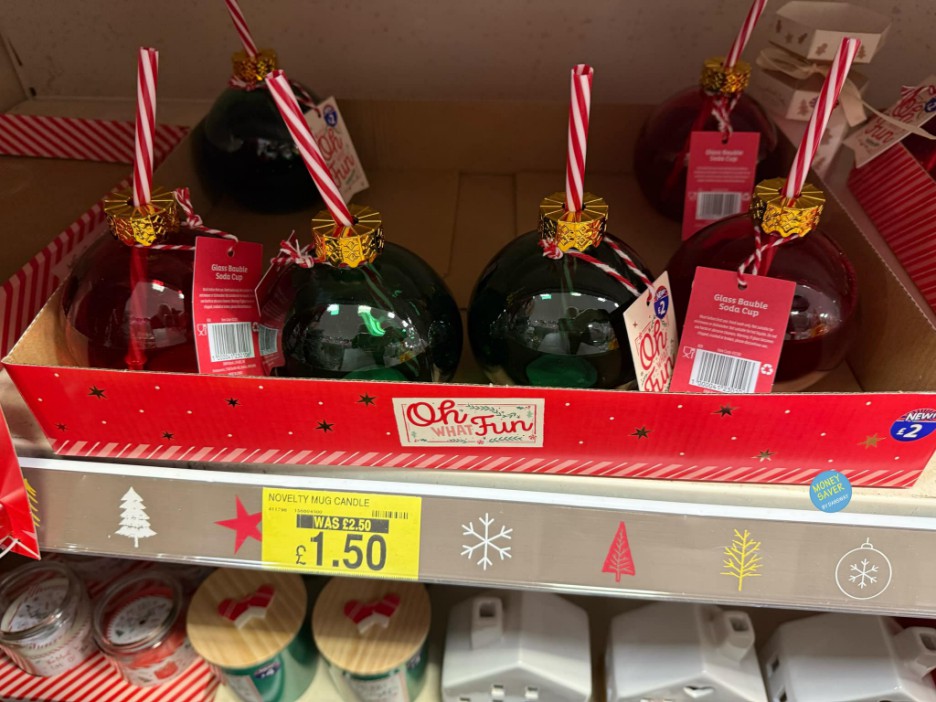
(253, 70)
(718, 80)
(777, 215)
(573, 230)
(145, 225)
(348, 246)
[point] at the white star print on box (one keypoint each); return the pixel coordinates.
(486, 542)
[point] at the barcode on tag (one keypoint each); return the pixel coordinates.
(723, 373)
(230, 341)
(268, 336)
(712, 205)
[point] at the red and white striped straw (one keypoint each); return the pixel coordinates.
(737, 48)
(147, 75)
(240, 24)
(579, 110)
(286, 102)
(828, 97)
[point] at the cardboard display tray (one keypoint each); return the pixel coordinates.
(455, 189)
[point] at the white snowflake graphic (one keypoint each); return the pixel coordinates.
(863, 573)
(486, 542)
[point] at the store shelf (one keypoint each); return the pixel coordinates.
(562, 528)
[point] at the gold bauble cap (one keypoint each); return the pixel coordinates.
(573, 230)
(778, 215)
(350, 246)
(718, 80)
(253, 69)
(145, 225)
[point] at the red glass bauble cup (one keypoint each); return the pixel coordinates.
(823, 321)
(661, 153)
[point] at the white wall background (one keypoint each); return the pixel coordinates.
(643, 50)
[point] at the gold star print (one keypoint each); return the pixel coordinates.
(764, 455)
(871, 441)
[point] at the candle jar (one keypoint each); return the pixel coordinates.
(139, 624)
(823, 320)
(661, 153)
(372, 634)
(45, 619)
(367, 310)
(252, 627)
(557, 322)
(243, 149)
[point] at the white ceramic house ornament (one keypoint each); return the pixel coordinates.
(682, 653)
(850, 658)
(517, 647)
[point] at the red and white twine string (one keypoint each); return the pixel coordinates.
(243, 31)
(579, 110)
(753, 263)
(291, 254)
(828, 97)
(552, 250)
(308, 148)
(192, 221)
(147, 76)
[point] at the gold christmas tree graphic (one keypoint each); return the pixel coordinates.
(742, 558)
(33, 502)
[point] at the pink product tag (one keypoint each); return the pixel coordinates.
(651, 330)
(224, 306)
(274, 296)
(732, 337)
(720, 178)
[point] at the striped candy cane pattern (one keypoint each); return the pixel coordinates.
(96, 679)
(579, 110)
(147, 76)
(292, 115)
(828, 96)
(243, 31)
(744, 34)
(104, 141)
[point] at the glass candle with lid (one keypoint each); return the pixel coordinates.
(372, 634)
(45, 619)
(139, 623)
(253, 627)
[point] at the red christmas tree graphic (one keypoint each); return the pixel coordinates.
(619, 560)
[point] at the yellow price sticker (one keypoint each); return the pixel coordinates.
(342, 533)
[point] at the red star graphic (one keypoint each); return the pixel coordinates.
(245, 525)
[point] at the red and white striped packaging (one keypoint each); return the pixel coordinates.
(899, 196)
(105, 141)
(96, 679)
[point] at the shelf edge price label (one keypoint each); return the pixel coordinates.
(342, 533)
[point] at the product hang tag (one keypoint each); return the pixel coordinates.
(331, 135)
(719, 177)
(651, 330)
(274, 296)
(732, 337)
(914, 109)
(224, 306)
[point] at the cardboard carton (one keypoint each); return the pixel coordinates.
(815, 29)
(455, 181)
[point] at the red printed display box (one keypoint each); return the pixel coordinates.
(97, 679)
(899, 196)
(457, 205)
